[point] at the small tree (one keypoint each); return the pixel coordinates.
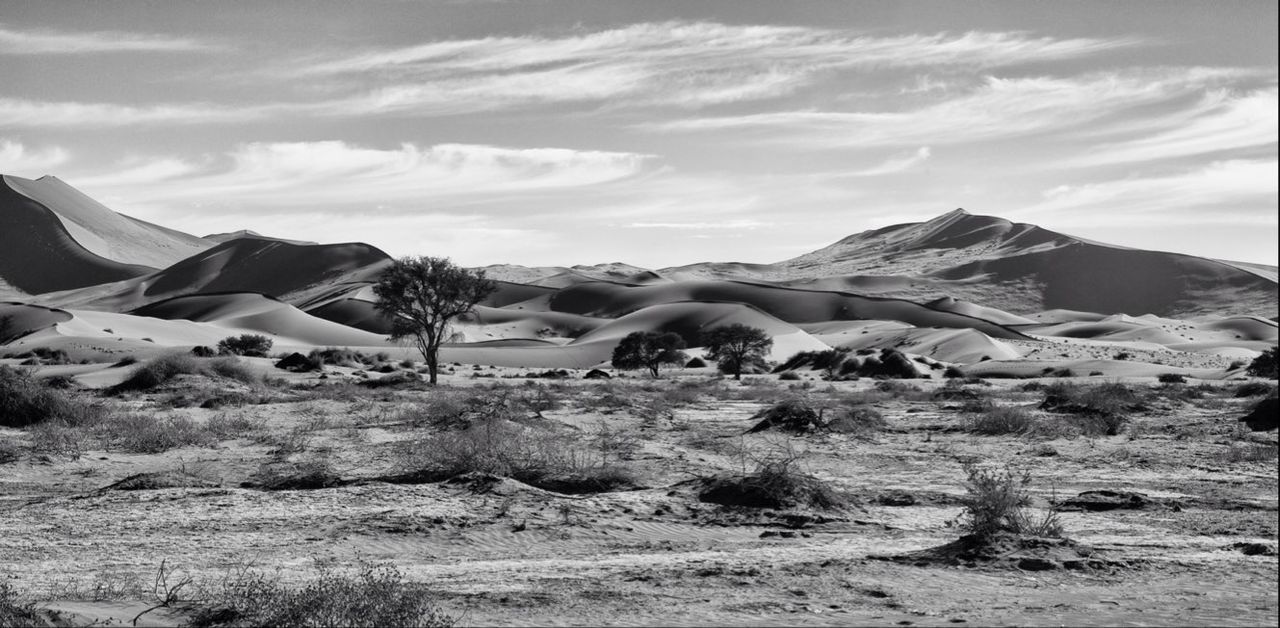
(420, 295)
(250, 345)
(736, 345)
(649, 349)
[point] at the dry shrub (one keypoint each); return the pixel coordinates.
(150, 434)
(1249, 452)
(56, 438)
(778, 482)
(857, 419)
(1255, 389)
(15, 609)
(500, 447)
(996, 501)
(373, 595)
(295, 476)
(1100, 410)
(166, 367)
(1001, 420)
(227, 426)
(24, 401)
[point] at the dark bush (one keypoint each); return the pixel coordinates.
(1171, 378)
(1255, 389)
(248, 345)
(166, 367)
(1265, 365)
(25, 401)
(201, 351)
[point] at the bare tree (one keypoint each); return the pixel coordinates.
(420, 295)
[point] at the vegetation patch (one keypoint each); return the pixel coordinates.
(25, 400)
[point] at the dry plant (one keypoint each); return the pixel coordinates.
(997, 501)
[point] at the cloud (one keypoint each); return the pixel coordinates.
(730, 225)
(17, 159)
(896, 164)
(44, 41)
(997, 108)
(312, 176)
(1230, 191)
(1220, 121)
(674, 63)
(15, 112)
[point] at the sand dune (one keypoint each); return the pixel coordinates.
(1021, 268)
(289, 271)
(20, 319)
(106, 233)
(38, 253)
(950, 304)
(959, 346)
(788, 304)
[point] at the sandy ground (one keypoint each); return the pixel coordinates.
(513, 554)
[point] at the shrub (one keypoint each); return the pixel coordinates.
(1171, 378)
(202, 351)
(1265, 365)
(858, 419)
(999, 420)
(777, 482)
(790, 415)
(503, 448)
(14, 610)
(166, 367)
(248, 345)
(25, 401)
(149, 434)
(374, 595)
(1255, 389)
(996, 501)
(340, 357)
(789, 376)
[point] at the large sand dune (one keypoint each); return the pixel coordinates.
(106, 233)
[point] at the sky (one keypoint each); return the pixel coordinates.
(545, 132)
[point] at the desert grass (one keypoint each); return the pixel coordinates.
(166, 367)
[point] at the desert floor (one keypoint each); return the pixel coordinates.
(499, 551)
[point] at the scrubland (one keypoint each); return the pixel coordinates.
(219, 491)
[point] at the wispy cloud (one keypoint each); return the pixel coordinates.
(998, 108)
(1221, 121)
(310, 176)
(675, 63)
(44, 42)
(896, 164)
(15, 112)
(726, 225)
(17, 159)
(1222, 191)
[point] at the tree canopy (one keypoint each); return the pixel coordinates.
(649, 350)
(735, 346)
(420, 295)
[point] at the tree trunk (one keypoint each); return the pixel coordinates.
(433, 367)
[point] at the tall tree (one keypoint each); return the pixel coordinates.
(650, 350)
(420, 295)
(735, 346)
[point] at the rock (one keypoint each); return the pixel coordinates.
(597, 374)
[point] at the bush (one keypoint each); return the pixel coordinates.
(999, 420)
(14, 610)
(499, 447)
(1265, 365)
(340, 357)
(375, 595)
(996, 501)
(1255, 389)
(1171, 378)
(248, 345)
(777, 482)
(858, 419)
(789, 376)
(149, 434)
(25, 401)
(166, 367)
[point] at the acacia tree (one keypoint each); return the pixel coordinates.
(736, 345)
(420, 295)
(649, 349)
